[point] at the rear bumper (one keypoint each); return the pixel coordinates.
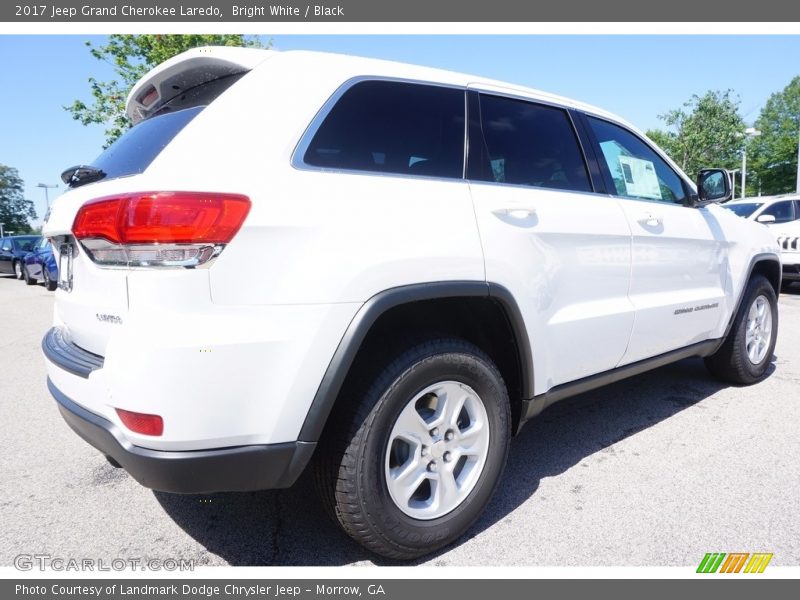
(242, 468)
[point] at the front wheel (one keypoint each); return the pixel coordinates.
(745, 354)
(412, 467)
(18, 270)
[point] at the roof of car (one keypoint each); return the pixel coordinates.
(765, 199)
(349, 66)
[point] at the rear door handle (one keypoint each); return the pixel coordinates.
(651, 220)
(516, 212)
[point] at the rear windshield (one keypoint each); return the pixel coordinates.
(132, 153)
(743, 210)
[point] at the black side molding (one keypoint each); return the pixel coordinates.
(62, 352)
(534, 406)
(374, 307)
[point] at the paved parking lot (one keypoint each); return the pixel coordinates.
(656, 470)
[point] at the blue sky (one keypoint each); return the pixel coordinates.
(637, 77)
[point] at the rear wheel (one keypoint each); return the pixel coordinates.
(417, 457)
(745, 354)
(18, 269)
(28, 279)
(48, 283)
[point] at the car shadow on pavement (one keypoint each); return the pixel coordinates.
(289, 527)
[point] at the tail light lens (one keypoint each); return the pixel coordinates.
(173, 229)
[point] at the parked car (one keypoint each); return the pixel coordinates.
(782, 215)
(13, 249)
(40, 265)
(440, 258)
(789, 242)
(775, 211)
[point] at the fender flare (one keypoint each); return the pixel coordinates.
(377, 305)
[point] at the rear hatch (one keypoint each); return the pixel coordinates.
(125, 223)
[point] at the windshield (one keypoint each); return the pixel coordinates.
(745, 209)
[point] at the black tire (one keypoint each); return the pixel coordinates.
(18, 271)
(351, 464)
(28, 279)
(48, 283)
(731, 362)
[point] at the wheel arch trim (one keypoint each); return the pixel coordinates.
(376, 306)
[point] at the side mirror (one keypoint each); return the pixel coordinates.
(713, 185)
(766, 219)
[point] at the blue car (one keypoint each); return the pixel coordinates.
(40, 265)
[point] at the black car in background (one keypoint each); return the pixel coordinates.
(13, 249)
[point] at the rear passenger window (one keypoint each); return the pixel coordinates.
(635, 168)
(529, 144)
(393, 127)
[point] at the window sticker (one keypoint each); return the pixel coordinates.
(640, 178)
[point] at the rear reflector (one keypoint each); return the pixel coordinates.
(163, 218)
(141, 422)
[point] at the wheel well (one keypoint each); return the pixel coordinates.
(480, 320)
(771, 270)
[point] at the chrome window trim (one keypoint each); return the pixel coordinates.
(298, 155)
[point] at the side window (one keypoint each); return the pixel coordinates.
(782, 211)
(6, 245)
(529, 144)
(393, 127)
(636, 170)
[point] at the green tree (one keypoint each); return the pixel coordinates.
(15, 210)
(132, 56)
(706, 132)
(774, 152)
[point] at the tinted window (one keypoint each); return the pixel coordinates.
(26, 244)
(636, 170)
(782, 211)
(5, 245)
(529, 144)
(743, 210)
(393, 127)
(138, 147)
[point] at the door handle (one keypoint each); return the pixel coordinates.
(516, 212)
(651, 220)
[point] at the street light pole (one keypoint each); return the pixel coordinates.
(46, 194)
(732, 175)
(748, 133)
(798, 162)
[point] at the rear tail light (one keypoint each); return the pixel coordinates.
(168, 229)
(141, 422)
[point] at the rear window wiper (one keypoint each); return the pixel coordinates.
(81, 174)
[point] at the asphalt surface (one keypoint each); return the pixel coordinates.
(656, 470)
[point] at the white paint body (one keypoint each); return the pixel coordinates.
(234, 353)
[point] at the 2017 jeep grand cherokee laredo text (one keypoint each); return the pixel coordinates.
(382, 271)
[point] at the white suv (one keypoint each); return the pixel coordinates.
(380, 270)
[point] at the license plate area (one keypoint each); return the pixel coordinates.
(65, 255)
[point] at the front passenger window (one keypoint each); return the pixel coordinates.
(782, 211)
(635, 169)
